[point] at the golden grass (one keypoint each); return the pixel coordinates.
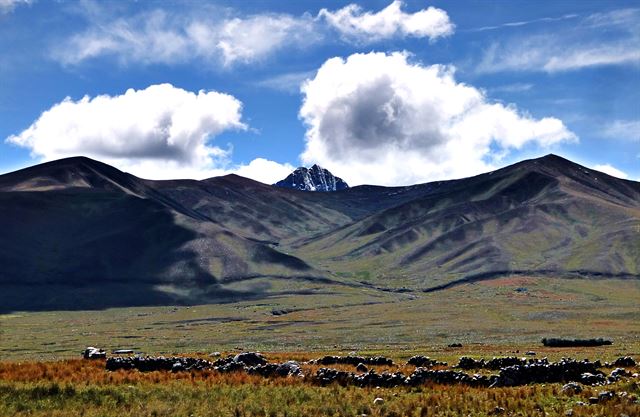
(80, 387)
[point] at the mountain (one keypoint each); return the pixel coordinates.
(77, 233)
(545, 216)
(315, 178)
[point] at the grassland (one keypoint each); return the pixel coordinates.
(77, 387)
(40, 374)
(509, 312)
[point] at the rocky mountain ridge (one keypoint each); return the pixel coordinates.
(315, 178)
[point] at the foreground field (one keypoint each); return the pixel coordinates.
(79, 387)
(40, 374)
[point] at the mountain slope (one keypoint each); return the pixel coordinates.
(82, 226)
(540, 215)
(77, 233)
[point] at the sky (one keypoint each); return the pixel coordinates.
(378, 92)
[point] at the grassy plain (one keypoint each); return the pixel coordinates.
(40, 374)
(517, 311)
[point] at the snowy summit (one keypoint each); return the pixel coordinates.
(315, 178)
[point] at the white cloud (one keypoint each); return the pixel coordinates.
(512, 88)
(377, 118)
(247, 40)
(161, 132)
(366, 27)
(264, 170)
(213, 35)
(7, 6)
(288, 82)
(155, 131)
(611, 38)
(524, 23)
(623, 130)
(610, 170)
(174, 37)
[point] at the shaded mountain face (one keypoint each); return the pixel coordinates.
(315, 178)
(77, 233)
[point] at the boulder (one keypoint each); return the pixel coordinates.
(572, 388)
(289, 368)
(94, 353)
(589, 378)
(625, 362)
(250, 359)
(354, 360)
(605, 396)
(424, 361)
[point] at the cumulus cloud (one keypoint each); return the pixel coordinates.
(264, 170)
(378, 118)
(611, 170)
(160, 36)
(610, 38)
(356, 24)
(159, 130)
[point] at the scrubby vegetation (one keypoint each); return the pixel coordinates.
(82, 387)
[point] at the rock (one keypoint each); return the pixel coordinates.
(230, 366)
(455, 345)
(122, 352)
(215, 354)
(530, 353)
(625, 361)
(618, 373)
(362, 367)
(496, 363)
(94, 353)
(594, 400)
(572, 388)
(497, 410)
(424, 361)
(378, 401)
(250, 358)
(289, 368)
(557, 342)
(569, 412)
(605, 395)
(580, 403)
(354, 360)
(589, 378)
(160, 363)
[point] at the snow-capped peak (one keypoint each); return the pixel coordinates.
(315, 178)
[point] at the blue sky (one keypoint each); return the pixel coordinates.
(378, 92)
